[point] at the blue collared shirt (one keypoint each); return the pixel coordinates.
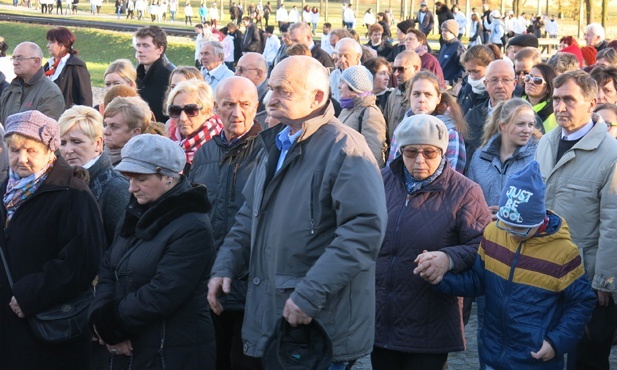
(578, 133)
(284, 141)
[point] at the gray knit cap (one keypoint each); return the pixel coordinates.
(35, 125)
(358, 78)
(149, 154)
(422, 129)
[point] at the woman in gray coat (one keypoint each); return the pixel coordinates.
(509, 143)
(360, 111)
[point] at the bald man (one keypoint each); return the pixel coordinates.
(406, 64)
(223, 164)
(301, 33)
(30, 89)
(312, 259)
(349, 53)
(255, 67)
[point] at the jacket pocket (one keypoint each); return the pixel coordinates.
(285, 285)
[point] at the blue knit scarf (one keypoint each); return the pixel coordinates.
(414, 185)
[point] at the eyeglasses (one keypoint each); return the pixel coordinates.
(21, 59)
(535, 80)
(610, 124)
(513, 230)
(191, 110)
(399, 69)
(242, 69)
(426, 153)
(495, 81)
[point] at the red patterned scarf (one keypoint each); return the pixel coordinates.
(212, 127)
(52, 68)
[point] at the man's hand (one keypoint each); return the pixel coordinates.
(15, 307)
(545, 353)
(603, 298)
(215, 286)
(125, 348)
(432, 266)
(294, 315)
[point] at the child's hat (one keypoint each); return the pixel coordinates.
(522, 199)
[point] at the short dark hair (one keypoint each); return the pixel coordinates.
(603, 75)
(159, 37)
(284, 27)
(375, 64)
(548, 74)
(481, 54)
(327, 25)
(419, 35)
(582, 79)
(63, 36)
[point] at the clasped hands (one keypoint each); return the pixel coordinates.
(432, 266)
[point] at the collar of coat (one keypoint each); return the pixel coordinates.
(592, 140)
(38, 76)
(146, 222)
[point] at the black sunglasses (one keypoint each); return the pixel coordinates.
(399, 69)
(426, 153)
(191, 110)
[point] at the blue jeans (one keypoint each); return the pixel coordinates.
(338, 366)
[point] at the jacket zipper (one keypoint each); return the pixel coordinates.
(233, 182)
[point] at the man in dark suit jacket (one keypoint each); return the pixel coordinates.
(301, 33)
(251, 41)
(425, 18)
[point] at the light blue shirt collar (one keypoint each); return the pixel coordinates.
(284, 141)
(578, 133)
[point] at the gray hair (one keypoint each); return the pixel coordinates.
(200, 90)
(217, 47)
(303, 27)
(356, 46)
(564, 62)
(34, 48)
(597, 30)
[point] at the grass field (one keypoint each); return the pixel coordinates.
(96, 47)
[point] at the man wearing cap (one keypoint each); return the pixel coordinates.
(401, 32)
(30, 90)
(223, 165)
(314, 259)
(349, 54)
(516, 43)
(272, 46)
(525, 228)
(405, 66)
(424, 18)
(578, 165)
(253, 66)
(451, 51)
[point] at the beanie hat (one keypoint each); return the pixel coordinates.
(404, 25)
(589, 54)
(300, 347)
(451, 26)
(35, 125)
(524, 40)
(496, 14)
(149, 154)
(522, 199)
(358, 78)
(422, 129)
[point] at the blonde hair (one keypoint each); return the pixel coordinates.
(200, 90)
(123, 68)
(89, 121)
(135, 110)
(504, 112)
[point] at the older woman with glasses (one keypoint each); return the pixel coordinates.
(190, 105)
(538, 91)
(431, 207)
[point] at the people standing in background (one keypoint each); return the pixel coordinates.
(199, 37)
(214, 14)
(497, 28)
(552, 28)
(424, 19)
(368, 20)
(461, 19)
(140, 7)
(443, 14)
(188, 14)
(476, 31)
(282, 16)
(306, 14)
(173, 8)
(451, 51)
(228, 48)
(314, 18)
(203, 12)
(349, 17)
(272, 46)
(294, 15)
(267, 10)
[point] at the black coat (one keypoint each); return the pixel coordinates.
(238, 36)
(151, 85)
(153, 283)
(224, 170)
(318, 53)
(74, 82)
(251, 42)
(53, 245)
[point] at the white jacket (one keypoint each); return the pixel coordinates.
(272, 46)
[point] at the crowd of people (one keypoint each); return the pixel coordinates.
(288, 200)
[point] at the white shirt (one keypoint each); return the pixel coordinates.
(460, 18)
(59, 67)
(228, 48)
(188, 11)
(349, 16)
(281, 15)
(325, 44)
(198, 41)
(272, 46)
(519, 26)
(306, 16)
(294, 16)
(551, 27)
(369, 18)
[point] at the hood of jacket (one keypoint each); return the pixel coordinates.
(148, 220)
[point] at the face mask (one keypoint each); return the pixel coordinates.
(477, 86)
(346, 103)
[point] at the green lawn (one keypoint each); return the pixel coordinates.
(97, 48)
